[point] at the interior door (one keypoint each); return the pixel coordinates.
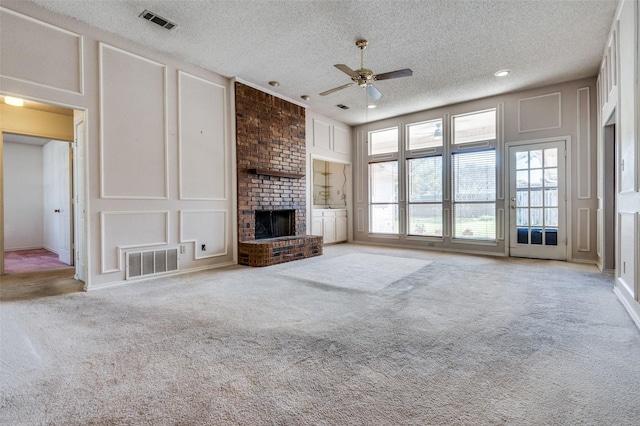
(63, 201)
(537, 198)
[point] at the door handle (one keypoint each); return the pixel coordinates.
(513, 206)
(513, 198)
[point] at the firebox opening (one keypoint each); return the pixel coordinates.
(274, 223)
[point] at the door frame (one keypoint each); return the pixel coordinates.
(568, 183)
(79, 229)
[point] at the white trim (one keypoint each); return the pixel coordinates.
(500, 163)
(119, 249)
(500, 225)
(584, 246)
(101, 47)
(224, 138)
(360, 167)
(632, 307)
(559, 94)
(568, 223)
(195, 241)
(385, 236)
(583, 142)
(62, 30)
(361, 221)
(230, 138)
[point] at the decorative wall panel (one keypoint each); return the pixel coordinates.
(204, 228)
(321, 135)
(39, 53)
(627, 246)
(583, 142)
(360, 220)
(340, 140)
(584, 229)
(539, 113)
(360, 166)
(133, 140)
(202, 135)
(123, 230)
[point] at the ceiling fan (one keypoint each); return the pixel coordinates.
(364, 77)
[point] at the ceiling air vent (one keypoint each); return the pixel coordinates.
(159, 20)
(342, 106)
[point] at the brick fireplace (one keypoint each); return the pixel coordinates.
(271, 155)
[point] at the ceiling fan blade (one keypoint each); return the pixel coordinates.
(393, 74)
(373, 93)
(345, 69)
(336, 89)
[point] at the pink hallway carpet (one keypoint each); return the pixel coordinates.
(31, 260)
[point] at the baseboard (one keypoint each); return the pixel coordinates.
(632, 307)
(155, 277)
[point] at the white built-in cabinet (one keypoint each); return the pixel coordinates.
(331, 224)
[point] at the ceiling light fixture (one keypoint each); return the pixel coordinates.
(371, 106)
(10, 100)
(274, 83)
(502, 73)
(305, 97)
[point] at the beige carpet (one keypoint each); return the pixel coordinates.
(357, 271)
(463, 340)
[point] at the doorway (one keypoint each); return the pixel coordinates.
(537, 200)
(38, 221)
(608, 196)
(41, 204)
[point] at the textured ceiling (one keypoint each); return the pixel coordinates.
(453, 46)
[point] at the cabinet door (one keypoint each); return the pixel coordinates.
(316, 225)
(329, 233)
(341, 228)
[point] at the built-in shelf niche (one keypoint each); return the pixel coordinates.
(329, 184)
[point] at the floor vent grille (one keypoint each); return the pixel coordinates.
(151, 262)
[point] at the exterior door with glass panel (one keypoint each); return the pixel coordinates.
(537, 201)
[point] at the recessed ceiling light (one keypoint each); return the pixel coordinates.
(10, 100)
(502, 73)
(274, 83)
(305, 97)
(371, 106)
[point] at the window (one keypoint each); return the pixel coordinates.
(383, 141)
(474, 195)
(474, 127)
(424, 135)
(383, 193)
(424, 183)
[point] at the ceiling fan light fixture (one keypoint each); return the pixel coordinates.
(502, 73)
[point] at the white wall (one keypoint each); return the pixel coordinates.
(23, 196)
(159, 138)
(619, 102)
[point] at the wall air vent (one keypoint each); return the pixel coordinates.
(342, 106)
(150, 16)
(151, 262)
